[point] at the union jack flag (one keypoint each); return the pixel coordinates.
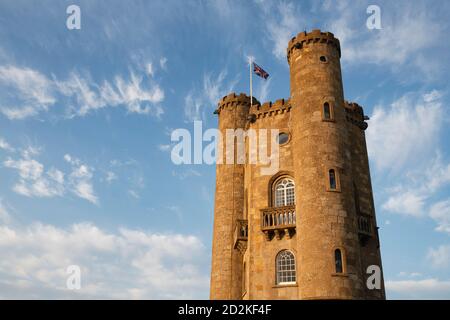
(260, 71)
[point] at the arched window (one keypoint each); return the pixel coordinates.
(338, 261)
(284, 192)
(326, 111)
(332, 177)
(285, 267)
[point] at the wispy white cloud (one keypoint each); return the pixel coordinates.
(163, 63)
(401, 138)
(134, 194)
(406, 130)
(127, 263)
(439, 257)
(263, 90)
(90, 96)
(415, 195)
(183, 174)
(80, 180)
(33, 180)
(5, 217)
(36, 181)
(282, 20)
(440, 212)
(35, 93)
(400, 21)
(5, 145)
(391, 46)
(409, 274)
(193, 107)
(406, 203)
(177, 211)
(198, 102)
(164, 147)
(149, 68)
(419, 289)
(110, 176)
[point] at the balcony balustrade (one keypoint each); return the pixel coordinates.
(278, 220)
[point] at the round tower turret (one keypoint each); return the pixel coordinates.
(226, 270)
(329, 265)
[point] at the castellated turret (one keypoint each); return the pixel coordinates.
(307, 231)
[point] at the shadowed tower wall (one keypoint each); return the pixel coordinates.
(226, 269)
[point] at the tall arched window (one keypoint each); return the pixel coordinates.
(332, 177)
(284, 192)
(285, 267)
(338, 261)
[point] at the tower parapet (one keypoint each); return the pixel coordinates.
(268, 109)
(232, 100)
(315, 36)
(355, 115)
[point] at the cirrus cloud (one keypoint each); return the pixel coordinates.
(30, 93)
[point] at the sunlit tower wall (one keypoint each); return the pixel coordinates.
(322, 142)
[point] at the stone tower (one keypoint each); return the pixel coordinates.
(308, 231)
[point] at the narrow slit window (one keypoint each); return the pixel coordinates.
(332, 177)
(326, 111)
(338, 261)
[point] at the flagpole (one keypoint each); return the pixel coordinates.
(251, 84)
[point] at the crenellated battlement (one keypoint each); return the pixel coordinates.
(315, 36)
(268, 109)
(233, 100)
(355, 114)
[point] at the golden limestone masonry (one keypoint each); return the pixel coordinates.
(308, 231)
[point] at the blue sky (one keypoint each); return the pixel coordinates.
(86, 116)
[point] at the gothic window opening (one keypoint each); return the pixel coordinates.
(285, 267)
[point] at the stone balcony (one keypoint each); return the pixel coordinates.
(276, 221)
(241, 235)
